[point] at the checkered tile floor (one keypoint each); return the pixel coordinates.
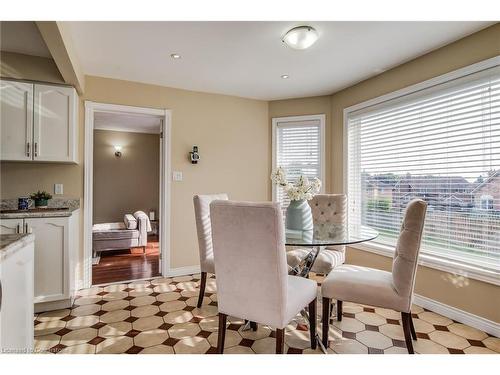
(160, 316)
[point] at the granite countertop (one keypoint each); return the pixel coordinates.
(57, 208)
(10, 243)
(37, 212)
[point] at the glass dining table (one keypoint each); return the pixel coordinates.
(322, 235)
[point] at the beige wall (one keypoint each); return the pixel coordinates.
(19, 66)
(128, 183)
(467, 294)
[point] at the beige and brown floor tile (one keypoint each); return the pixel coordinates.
(115, 316)
(449, 340)
(467, 332)
(160, 316)
(434, 318)
(183, 330)
(147, 323)
(115, 345)
(115, 329)
(158, 349)
(82, 322)
(192, 345)
(423, 346)
(347, 346)
(151, 338)
(373, 339)
(79, 349)
(233, 338)
(492, 343)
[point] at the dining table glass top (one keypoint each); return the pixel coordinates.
(330, 234)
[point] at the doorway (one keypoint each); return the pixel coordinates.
(126, 210)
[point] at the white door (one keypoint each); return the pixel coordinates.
(16, 314)
(51, 257)
(11, 226)
(16, 120)
(54, 129)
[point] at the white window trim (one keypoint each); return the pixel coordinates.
(276, 121)
(440, 263)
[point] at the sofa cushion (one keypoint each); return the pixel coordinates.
(130, 221)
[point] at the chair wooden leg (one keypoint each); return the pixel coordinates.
(144, 249)
(339, 310)
(222, 333)
(312, 323)
(326, 321)
(280, 341)
(202, 288)
(406, 318)
(412, 328)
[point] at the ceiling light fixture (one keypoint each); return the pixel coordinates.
(301, 37)
(175, 56)
(285, 76)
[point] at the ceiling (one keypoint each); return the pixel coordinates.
(22, 37)
(247, 59)
(127, 122)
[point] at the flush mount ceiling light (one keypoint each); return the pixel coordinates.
(301, 37)
(285, 76)
(175, 56)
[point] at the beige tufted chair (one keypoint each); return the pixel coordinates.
(204, 231)
(325, 208)
(390, 290)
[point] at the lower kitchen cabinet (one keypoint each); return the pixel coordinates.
(56, 246)
(16, 298)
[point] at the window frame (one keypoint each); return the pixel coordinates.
(275, 124)
(460, 267)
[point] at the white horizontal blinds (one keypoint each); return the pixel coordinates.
(441, 144)
(298, 151)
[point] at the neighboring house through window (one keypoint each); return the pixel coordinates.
(439, 141)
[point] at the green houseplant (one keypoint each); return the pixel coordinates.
(41, 198)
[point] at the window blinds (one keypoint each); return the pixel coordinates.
(441, 144)
(298, 151)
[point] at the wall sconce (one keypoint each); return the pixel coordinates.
(194, 156)
(118, 151)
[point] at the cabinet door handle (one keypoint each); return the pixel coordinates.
(25, 227)
(27, 149)
(18, 229)
(36, 149)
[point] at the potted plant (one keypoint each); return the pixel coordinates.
(41, 198)
(298, 213)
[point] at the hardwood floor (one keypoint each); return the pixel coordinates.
(121, 265)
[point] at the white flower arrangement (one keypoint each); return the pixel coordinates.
(301, 189)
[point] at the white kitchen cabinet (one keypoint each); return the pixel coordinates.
(54, 119)
(11, 226)
(16, 312)
(39, 122)
(16, 120)
(56, 244)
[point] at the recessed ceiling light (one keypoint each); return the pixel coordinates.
(285, 76)
(301, 37)
(175, 56)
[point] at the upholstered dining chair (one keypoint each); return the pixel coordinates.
(204, 230)
(326, 208)
(390, 290)
(250, 263)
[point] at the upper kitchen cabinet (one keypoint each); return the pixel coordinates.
(16, 120)
(50, 116)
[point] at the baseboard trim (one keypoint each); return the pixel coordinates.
(182, 271)
(461, 316)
